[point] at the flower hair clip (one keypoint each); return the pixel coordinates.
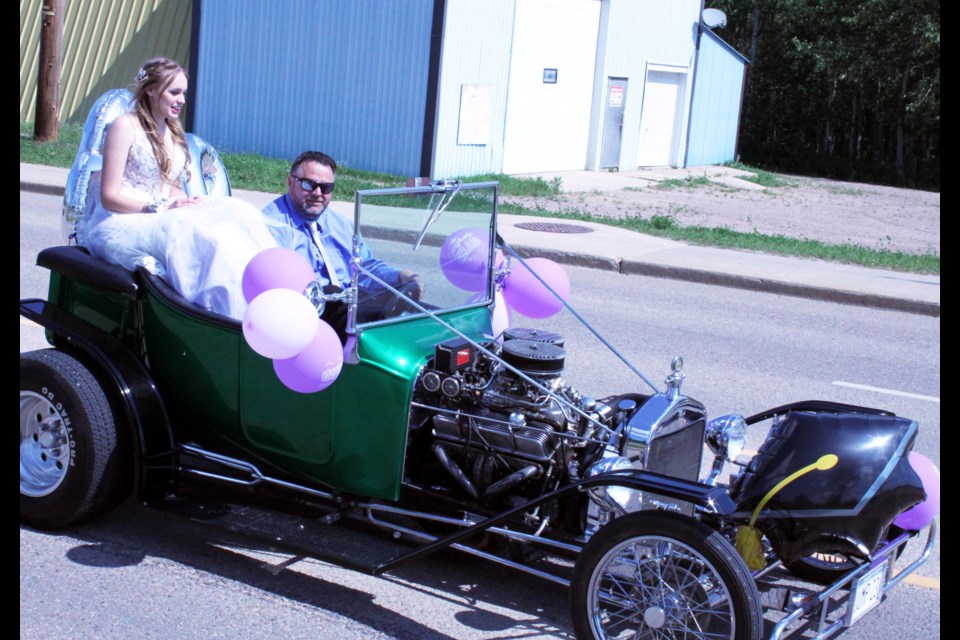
(141, 74)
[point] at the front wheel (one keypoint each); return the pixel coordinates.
(73, 463)
(662, 576)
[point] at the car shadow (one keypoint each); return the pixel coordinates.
(475, 589)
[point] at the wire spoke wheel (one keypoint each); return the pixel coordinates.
(651, 586)
(662, 576)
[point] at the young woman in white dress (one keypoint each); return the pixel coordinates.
(144, 219)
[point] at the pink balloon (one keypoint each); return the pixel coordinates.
(316, 367)
(280, 323)
(527, 296)
(276, 268)
(921, 515)
(463, 258)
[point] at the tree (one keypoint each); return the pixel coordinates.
(841, 88)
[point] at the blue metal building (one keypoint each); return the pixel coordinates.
(717, 99)
(463, 87)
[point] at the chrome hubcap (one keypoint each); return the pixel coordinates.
(44, 446)
(654, 617)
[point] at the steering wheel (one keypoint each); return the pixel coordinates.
(397, 305)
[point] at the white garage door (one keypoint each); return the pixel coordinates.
(660, 118)
(548, 123)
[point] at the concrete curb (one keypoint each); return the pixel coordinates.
(45, 189)
(733, 281)
(826, 294)
(656, 270)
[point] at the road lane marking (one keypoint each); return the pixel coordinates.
(892, 392)
(923, 581)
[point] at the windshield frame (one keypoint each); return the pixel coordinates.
(443, 194)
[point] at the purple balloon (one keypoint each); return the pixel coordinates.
(463, 259)
(919, 516)
(276, 268)
(527, 296)
(316, 367)
(280, 323)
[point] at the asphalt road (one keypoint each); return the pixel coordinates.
(142, 572)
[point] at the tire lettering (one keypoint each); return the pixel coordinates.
(65, 420)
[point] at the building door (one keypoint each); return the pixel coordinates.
(660, 118)
(550, 92)
(613, 123)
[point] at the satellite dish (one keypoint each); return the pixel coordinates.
(714, 18)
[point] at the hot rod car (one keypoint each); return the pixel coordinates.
(447, 429)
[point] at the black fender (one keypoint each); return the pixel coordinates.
(711, 498)
(134, 391)
(816, 406)
(844, 507)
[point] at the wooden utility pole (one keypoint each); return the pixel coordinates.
(48, 72)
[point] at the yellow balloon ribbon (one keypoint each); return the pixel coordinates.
(748, 540)
(750, 548)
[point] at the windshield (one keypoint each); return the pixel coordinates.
(432, 244)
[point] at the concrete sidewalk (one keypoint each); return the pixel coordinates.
(614, 249)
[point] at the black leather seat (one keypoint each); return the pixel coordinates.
(77, 263)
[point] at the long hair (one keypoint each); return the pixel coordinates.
(159, 73)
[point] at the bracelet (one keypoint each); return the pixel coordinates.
(157, 205)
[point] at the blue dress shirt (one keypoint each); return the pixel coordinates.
(336, 233)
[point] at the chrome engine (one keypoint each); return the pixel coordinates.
(506, 426)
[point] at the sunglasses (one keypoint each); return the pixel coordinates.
(309, 185)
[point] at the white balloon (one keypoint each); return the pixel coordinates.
(280, 323)
(500, 315)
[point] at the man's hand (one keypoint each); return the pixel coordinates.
(416, 289)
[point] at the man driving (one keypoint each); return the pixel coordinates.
(325, 238)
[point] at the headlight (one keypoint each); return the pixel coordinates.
(726, 436)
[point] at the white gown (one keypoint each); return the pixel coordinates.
(201, 251)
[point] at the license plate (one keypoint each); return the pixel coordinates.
(867, 592)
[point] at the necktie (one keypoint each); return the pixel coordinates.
(331, 271)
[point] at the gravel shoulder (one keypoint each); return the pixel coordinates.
(833, 212)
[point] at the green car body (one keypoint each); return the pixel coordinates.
(222, 395)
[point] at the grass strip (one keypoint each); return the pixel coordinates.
(666, 227)
(60, 153)
(761, 177)
(259, 173)
(689, 182)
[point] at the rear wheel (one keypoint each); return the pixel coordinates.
(73, 464)
(663, 576)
